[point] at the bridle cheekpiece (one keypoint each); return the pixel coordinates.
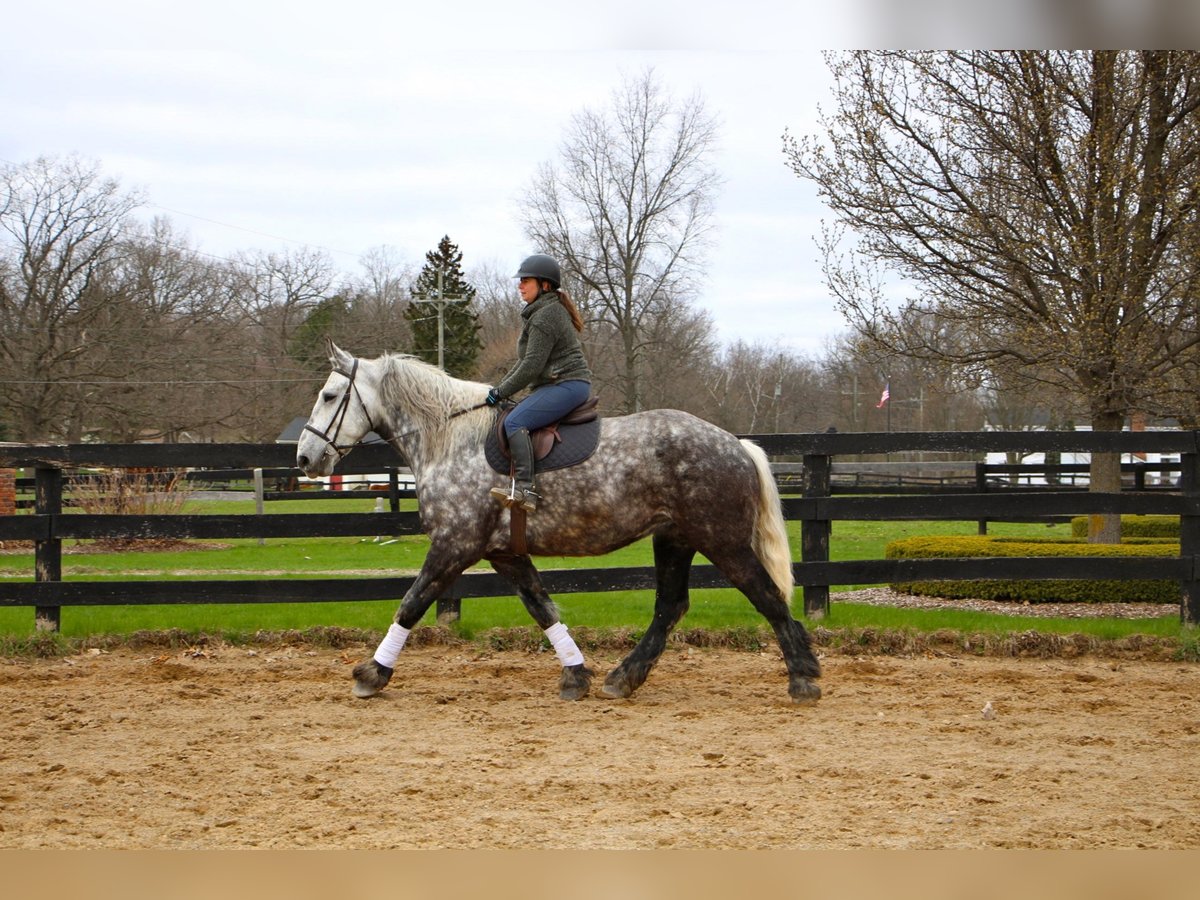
(339, 415)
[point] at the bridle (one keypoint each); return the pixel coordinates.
(339, 415)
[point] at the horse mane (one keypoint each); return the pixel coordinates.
(433, 401)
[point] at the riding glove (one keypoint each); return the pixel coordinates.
(492, 397)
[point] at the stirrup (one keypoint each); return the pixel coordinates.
(507, 498)
(528, 500)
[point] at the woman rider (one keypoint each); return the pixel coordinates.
(550, 361)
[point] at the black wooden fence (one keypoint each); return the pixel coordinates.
(816, 509)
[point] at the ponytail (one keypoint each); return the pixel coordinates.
(576, 318)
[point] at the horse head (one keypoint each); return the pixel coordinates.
(340, 418)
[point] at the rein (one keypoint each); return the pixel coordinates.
(453, 415)
(339, 418)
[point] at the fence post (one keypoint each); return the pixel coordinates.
(47, 554)
(981, 486)
(1189, 540)
(258, 499)
(449, 610)
(814, 533)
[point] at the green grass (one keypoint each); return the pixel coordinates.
(333, 557)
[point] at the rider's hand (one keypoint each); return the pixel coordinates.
(492, 397)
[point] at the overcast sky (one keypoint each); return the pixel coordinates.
(350, 125)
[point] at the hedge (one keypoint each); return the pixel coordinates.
(1135, 527)
(1035, 590)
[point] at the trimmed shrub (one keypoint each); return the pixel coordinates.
(1035, 591)
(1161, 527)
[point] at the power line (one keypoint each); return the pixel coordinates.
(274, 237)
(178, 212)
(173, 381)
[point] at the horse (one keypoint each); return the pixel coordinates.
(690, 485)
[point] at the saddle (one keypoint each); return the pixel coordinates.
(567, 442)
(561, 444)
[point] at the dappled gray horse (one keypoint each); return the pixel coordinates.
(665, 473)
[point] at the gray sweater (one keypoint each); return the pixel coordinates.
(548, 349)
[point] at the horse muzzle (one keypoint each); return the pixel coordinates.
(316, 461)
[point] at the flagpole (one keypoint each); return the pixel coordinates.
(885, 399)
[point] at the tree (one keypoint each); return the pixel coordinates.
(627, 209)
(167, 340)
(308, 342)
(499, 311)
(1043, 202)
(674, 376)
(442, 284)
(275, 294)
(61, 226)
(375, 322)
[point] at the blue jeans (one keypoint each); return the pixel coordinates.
(547, 404)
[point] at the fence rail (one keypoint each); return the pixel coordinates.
(817, 509)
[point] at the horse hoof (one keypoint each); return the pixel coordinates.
(575, 683)
(804, 691)
(370, 678)
(618, 689)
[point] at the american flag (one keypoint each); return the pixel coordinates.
(887, 392)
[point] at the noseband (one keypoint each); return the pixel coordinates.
(339, 416)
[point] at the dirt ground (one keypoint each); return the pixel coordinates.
(237, 747)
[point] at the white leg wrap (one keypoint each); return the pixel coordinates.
(564, 645)
(389, 648)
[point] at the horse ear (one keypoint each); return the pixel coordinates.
(338, 358)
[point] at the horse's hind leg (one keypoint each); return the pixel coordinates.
(672, 562)
(748, 575)
(576, 679)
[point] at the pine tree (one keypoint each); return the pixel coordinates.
(460, 322)
(307, 343)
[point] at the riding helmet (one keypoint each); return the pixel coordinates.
(541, 267)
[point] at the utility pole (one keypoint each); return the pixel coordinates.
(778, 391)
(853, 395)
(440, 300)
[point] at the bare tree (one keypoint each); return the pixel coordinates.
(499, 310)
(376, 322)
(276, 293)
(627, 209)
(1046, 202)
(61, 223)
(168, 341)
(762, 388)
(674, 376)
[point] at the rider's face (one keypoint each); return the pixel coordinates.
(529, 289)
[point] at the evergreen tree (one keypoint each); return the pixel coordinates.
(307, 343)
(460, 322)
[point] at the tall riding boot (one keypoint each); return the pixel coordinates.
(523, 492)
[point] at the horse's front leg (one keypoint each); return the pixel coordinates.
(435, 578)
(576, 679)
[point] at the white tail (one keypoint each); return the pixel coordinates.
(770, 534)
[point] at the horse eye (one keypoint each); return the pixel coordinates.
(329, 396)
